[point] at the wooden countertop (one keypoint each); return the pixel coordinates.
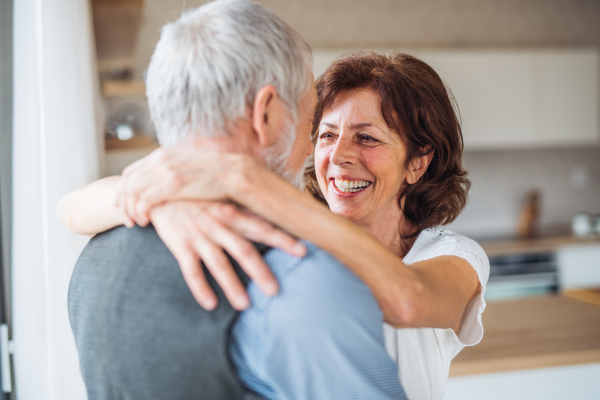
(530, 333)
(538, 245)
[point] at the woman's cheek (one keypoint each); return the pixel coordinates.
(321, 163)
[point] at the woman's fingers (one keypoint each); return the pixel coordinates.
(169, 174)
(174, 234)
(244, 252)
(256, 229)
(180, 225)
(158, 171)
(221, 269)
(156, 194)
(136, 178)
(194, 278)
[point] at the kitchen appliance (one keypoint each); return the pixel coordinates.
(521, 275)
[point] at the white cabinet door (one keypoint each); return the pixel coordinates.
(558, 383)
(579, 266)
(495, 95)
(511, 99)
(569, 97)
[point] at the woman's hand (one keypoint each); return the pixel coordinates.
(174, 174)
(201, 230)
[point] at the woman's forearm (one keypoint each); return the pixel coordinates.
(271, 197)
(433, 293)
(91, 209)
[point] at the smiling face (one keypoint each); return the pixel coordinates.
(360, 162)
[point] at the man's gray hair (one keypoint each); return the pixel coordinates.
(209, 64)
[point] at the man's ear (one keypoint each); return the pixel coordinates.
(417, 168)
(264, 115)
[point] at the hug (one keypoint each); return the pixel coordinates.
(287, 240)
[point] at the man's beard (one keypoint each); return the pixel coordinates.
(276, 157)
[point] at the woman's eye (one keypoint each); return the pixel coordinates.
(367, 138)
(326, 135)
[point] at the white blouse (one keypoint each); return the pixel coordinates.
(423, 355)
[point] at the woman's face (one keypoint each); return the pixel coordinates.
(359, 161)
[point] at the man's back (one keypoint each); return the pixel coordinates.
(141, 334)
(139, 331)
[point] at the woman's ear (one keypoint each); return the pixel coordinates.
(417, 168)
(264, 115)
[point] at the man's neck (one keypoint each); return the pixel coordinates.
(226, 144)
(238, 138)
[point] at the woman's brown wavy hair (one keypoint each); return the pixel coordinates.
(416, 105)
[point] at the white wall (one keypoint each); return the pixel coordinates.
(56, 149)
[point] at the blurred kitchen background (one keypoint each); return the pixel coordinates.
(525, 75)
(526, 78)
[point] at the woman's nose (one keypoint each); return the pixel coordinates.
(343, 152)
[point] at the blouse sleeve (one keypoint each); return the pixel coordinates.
(451, 244)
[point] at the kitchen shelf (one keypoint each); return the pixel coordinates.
(137, 142)
(123, 88)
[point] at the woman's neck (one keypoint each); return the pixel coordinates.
(388, 229)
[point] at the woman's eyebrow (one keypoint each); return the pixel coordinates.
(327, 124)
(357, 126)
(361, 125)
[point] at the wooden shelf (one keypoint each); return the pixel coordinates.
(136, 142)
(123, 88)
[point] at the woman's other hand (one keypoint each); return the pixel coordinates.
(202, 230)
(175, 174)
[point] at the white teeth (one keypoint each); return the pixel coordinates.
(346, 186)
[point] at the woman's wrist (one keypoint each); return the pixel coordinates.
(241, 176)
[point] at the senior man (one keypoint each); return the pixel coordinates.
(229, 76)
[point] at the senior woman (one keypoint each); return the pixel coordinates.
(388, 163)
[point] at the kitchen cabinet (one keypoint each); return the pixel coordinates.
(514, 99)
(495, 93)
(523, 99)
(579, 266)
(568, 103)
(558, 383)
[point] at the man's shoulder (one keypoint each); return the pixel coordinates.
(316, 263)
(126, 245)
(318, 275)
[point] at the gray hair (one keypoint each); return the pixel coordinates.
(209, 64)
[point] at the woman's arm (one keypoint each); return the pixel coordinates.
(194, 232)
(432, 293)
(91, 209)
